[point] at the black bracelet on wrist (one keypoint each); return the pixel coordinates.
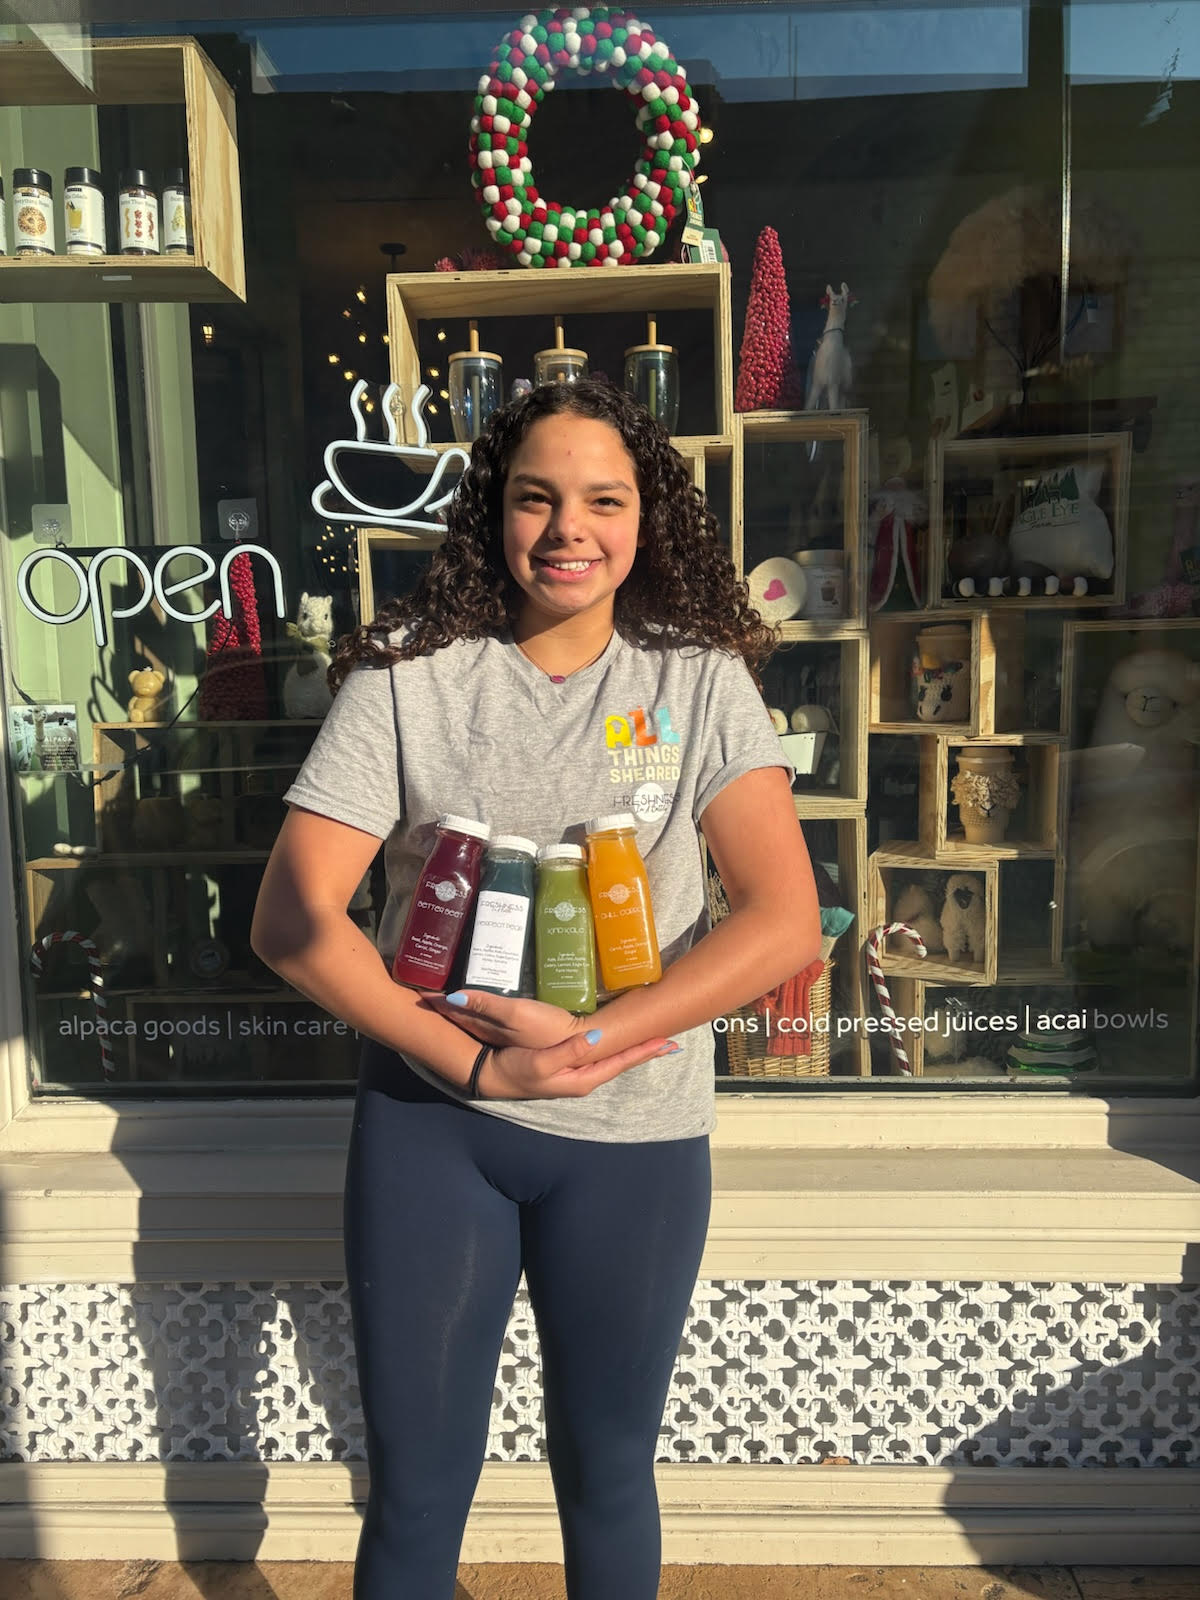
(473, 1082)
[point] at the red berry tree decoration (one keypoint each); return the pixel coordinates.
(765, 379)
(234, 686)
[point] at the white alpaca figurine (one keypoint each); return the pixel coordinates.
(305, 691)
(1132, 841)
(830, 370)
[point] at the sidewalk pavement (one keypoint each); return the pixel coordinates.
(314, 1580)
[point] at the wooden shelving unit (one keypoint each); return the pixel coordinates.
(842, 437)
(414, 298)
(1001, 460)
(140, 72)
(1035, 831)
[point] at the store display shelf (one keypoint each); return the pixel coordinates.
(78, 280)
(694, 446)
(192, 724)
(417, 297)
(145, 858)
(798, 630)
(827, 807)
(141, 72)
(1029, 967)
(225, 996)
(1032, 828)
(959, 730)
(999, 463)
(900, 868)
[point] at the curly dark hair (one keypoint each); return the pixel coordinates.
(682, 587)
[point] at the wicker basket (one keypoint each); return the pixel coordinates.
(748, 1056)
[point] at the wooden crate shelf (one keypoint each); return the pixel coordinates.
(839, 667)
(141, 72)
(1001, 460)
(631, 293)
(1035, 830)
(841, 470)
(893, 639)
(230, 767)
(890, 872)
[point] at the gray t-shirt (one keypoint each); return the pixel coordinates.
(477, 729)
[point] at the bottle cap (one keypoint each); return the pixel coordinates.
(31, 178)
(561, 852)
(611, 820)
(82, 175)
(174, 178)
(136, 178)
(513, 841)
(468, 825)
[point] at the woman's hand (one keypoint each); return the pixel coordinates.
(567, 1070)
(492, 1019)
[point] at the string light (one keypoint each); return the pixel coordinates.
(360, 294)
(705, 136)
(441, 333)
(349, 374)
(434, 372)
(338, 561)
(334, 361)
(445, 393)
(206, 330)
(362, 338)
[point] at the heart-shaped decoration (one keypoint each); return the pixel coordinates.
(775, 590)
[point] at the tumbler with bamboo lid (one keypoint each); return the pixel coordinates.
(652, 376)
(476, 387)
(560, 363)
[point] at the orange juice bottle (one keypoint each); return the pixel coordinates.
(626, 942)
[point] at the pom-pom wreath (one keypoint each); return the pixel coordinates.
(765, 379)
(545, 233)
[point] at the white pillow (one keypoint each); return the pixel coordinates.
(1060, 527)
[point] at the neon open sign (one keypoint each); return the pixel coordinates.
(156, 582)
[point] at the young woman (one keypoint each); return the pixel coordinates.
(579, 645)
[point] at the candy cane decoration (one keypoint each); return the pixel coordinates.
(874, 967)
(99, 999)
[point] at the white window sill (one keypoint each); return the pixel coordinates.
(846, 1186)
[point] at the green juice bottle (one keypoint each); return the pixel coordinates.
(563, 932)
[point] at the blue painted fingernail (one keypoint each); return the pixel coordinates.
(458, 998)
(672, 1046)
(592, 1036)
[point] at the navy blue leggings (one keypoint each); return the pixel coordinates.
(445, 1206)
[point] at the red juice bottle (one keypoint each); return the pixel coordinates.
(437, 913)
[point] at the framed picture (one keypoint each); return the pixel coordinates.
(44, 738)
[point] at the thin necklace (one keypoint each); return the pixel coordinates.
(561, 677)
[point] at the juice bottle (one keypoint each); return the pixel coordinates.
(503, 918)
(437, 914)
(620, 893)
(564, 934)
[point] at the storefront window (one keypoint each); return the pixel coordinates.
(965, 484)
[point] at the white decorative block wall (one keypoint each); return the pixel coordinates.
(1076, 1375)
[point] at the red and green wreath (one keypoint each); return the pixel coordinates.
(545, 233)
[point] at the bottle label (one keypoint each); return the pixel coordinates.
(139, 223)
(177, 222)
(33, 221)
(498, 942)
(84, 207)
